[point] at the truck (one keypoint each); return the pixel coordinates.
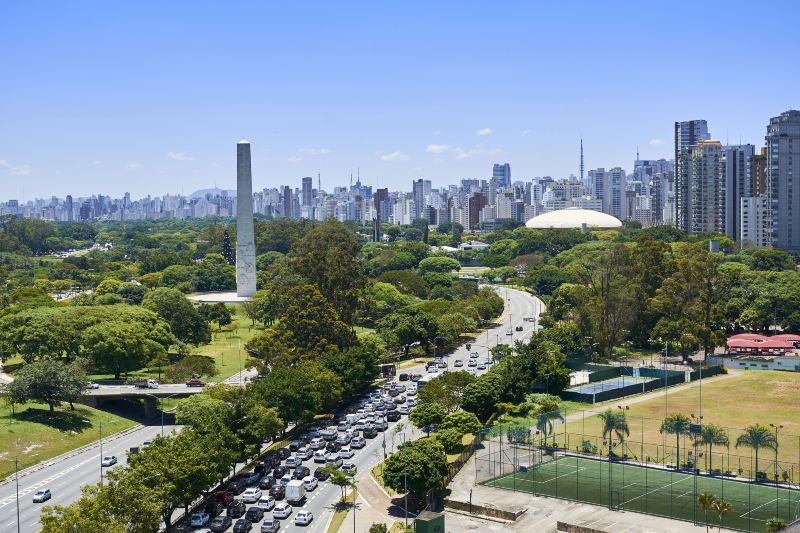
(146, 384)
(295, 492)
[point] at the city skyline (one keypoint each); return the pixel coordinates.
(396, 96)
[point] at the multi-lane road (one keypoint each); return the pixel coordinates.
(65, 476)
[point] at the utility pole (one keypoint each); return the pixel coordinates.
(101, 455)
(16, 477)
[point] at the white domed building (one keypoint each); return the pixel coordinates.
(574, 218)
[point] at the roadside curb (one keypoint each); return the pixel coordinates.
(67, 455)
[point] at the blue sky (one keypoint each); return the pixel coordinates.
(151, 97)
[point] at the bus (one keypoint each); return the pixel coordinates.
(426, 378)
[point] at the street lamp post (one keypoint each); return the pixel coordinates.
(16, 478)
(777, 487)
(101, 454)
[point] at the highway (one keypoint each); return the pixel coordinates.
(65, 477)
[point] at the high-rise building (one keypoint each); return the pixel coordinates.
(703, 176)
(308, 192)
(381, 202)
(287, 202)
(614, 195)
(502, 174)
(687, 134)
(737, 180)
(69, 208)
(783, 174)
(419, 198)
(476, 203)
(753, 221)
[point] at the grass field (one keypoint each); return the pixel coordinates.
(733, 402)
(654, 491)
(35, 435)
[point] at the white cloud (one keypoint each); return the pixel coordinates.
(15, 170)
(180, 156)
(525, 132)
(314, 151)
(483, 132)
(656, 142)
(394, 156)
(478, 150)
(437, 132)
(294, 159)
(134, 166)
(438, 148)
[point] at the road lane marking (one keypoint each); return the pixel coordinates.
(27, 490)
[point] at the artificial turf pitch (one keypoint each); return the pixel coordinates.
(654, 491)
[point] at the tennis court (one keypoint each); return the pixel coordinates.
(609, 384)
(653, 490)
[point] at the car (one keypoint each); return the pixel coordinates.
(509, 332)
(220, 524)
(391, 406)
(481, 366)
(333, 446)
(271, 460)
(400, 399)
(213, 508)
(344, 425)
(343, 439)
(270, 525)
(146, 443)
(254, 514)
(42, 495)
(266, 482)
(370, 432)
(295, 445)
(305, 453)
(381, 425)
(303, 518)
(518, 328)
(473, 355)
(224, 497)
(346, 453)
(266, 503)
(458, 363)
(403, 410)
(300, 472)
(109, 460)
(393, 416)
(319, 456)
(321, 474)
(472, 371)
(349, 468)
(242, 526)
(236, 509)
(237, 486)
(260, 468)
(251, 495)
(293, 461)
(250, 478)
(416, 377)
(195, 383)
(443, 364)
(403, 377)
(282, 510)
(472, 363)
(411, 402)
(432, 370)
(278, 491)
(286, 479)
(333, 459)
(358, 442)
(316, 443)
(284, 453)
(310, 482)
(200, 519)
(279, 471)
(92, 385)
(411, 392)
(329, 434)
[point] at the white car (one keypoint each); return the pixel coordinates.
(92, 385)
(481, 366)
(282, 510)
(303, 518)
(317, 443)
(109, 460)
(42, 495)
(266, 503)
(472, 363)
(411, 392)
(346, 453)
(200, 519)
(286, 479)
(349, 468)
(293, 461)
(473, 355)
(310, 482)
(403, 409)
(411, 402)
(509, 332)
(305, 453)
(319, 456)
(251, 495)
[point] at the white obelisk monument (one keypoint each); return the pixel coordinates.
(245, 241)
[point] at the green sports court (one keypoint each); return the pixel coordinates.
(653, 490)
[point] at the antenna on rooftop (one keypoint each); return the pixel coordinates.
(581, 159)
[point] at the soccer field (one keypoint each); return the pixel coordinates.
(653, 491)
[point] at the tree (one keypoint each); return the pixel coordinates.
(46, 381)
(217, 312)
(440, 264)
(89, 514)
(544, 423)
(311, 322)
(706, 502)
(343, 480)
(213, 273)
(722, 507)
(116, 346)
(481, 396)
(462, 421)
(451, 439)
(227, 249)
(378, 528)
(327, 256)
(416, 467)
(772, 259)
(676, 424)
(776, 524)
(183, 318)
(191, 366)
(614, 423)
(712, 435)
(447, 389)
(756, 437)
(426, 414)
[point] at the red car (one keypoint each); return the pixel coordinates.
(195, 383)
(223, 497)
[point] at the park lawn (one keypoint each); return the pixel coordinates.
(734, 402)
(35, 435)
(361, 330)
(227, 347)
(342, 508)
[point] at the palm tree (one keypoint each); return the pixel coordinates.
(722, 508)
(776, 524)
(711, 435)
(544, 422)
(676, 424)
(756, 437)
(343, 480)
(706, 501)
(614, 423)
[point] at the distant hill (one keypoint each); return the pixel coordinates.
(213, 192)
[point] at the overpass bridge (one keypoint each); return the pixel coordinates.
(150, 397)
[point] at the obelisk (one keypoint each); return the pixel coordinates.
(245, 241)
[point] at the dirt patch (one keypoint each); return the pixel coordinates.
(30, 448)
